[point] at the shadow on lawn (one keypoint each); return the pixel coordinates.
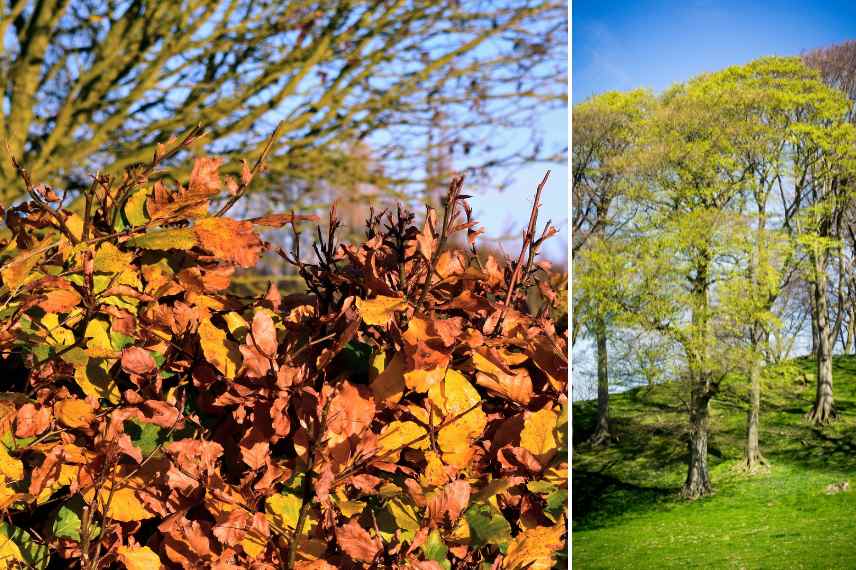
(650, 439)
(597, 498)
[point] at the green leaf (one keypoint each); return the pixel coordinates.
(67, 522)
(540, 487)
(435, 549)
(556, 504)
(487, 526)
(173, 238)
(145, 436)
(35, 555)
(135, 208)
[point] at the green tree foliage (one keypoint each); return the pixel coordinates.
(605, 129)
(738, 182)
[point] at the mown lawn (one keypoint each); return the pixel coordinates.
(626, 512)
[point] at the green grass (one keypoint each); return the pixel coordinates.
(625, 506)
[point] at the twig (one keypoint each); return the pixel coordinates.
(245, 184)
(308, 490)
(528, 238)
(448, 216)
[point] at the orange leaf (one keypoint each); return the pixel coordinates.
(356, 542)
(74, 413)
(229, 240)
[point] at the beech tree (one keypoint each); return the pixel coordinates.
(604, 129)
(92, 84)
(688, 244)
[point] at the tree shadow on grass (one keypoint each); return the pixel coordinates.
(597, 499)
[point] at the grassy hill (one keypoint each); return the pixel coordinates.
(626, 512)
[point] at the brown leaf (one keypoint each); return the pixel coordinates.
(450, 502)
(136, 360)
(264, 333)
(279, 220)
(356, 542)
(31, 421)
(255, 448)
(205, 176)
(74, 413)
(351, 411)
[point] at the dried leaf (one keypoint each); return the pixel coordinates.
(74, 413)
(220, 351)
(139, 558)
(380, 310)
(538, 436)
(356, 542)
(534, 549)
(229, 240)
(136, 360)
(264, 333)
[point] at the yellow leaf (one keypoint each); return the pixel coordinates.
(8, 496)
(67, 475)
(434, 474)
(461, 532)
(109, 259)
(74, 413)
(388, 382)
(419, 413)
(94, 379)
(74, 222)
(380, 310)
(422, 380)
(236, 324)
(254, 543)
(397, 434)
(454, 395)
(283, 510)
(11, 468)
(139, 558)
(20, 270)
(173, 238)
(221, 352)
(97, 335)
(534, 548)
(135, 208)
(455, 441)
(351, 508)
(9, 551)
(538, 435)
(57, 335)
(125, 506)
(404, 514)
(457, 401)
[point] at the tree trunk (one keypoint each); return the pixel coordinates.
(759, 338)
(698, 478)
(851, 329)
(601, 432)
(814, 339)
(823, 410)
(754, 459)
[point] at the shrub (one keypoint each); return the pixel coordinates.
(405, 411)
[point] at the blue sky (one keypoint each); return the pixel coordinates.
(623, 44)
